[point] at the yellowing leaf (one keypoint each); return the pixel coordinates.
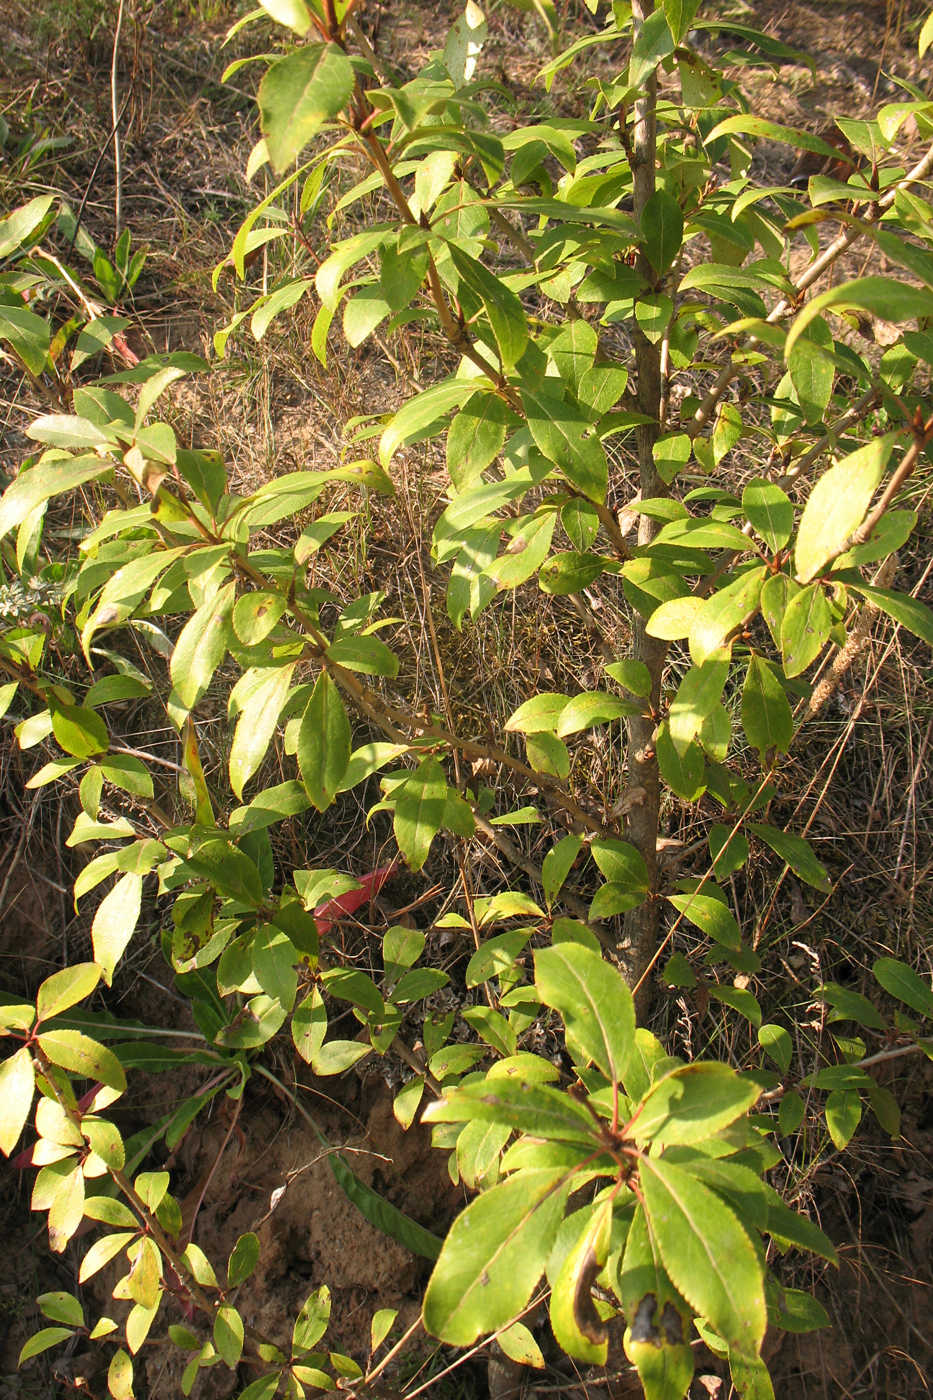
(837, 506)
(17, 1082)
(116, 918)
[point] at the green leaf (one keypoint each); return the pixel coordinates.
(293, 13)
(766, 714)
(65, 988)
(536, 1109)
(61, 1307)
(879, 296)
(662, 224)
(323, 743)
(382, 1214)
(17, 227)
(557, 864)
(566, 437)
(776, 1042)
(837, 505)
(594, 1003)
(228, 1334)
(740, 999)
(364, 654)
(420, 810)
(264, 1387)
(66, 1208)
(115, 920)
(797, 852)
(706, 1252)
(909, 612)
(255, 614)
(578, 1328)
(519, 1345)
(672, 621)
(693, 1103)
(28, 335)
(494, 1254)
(906, 985)
(723, 613)
(475, 437)
(120, 1376)
(710, 915)
(258, 717)
(591, 708)
(769, 511)
(812, 371)
(795, 1311)
(540, 713)
(80, 731)
(684, 771)
(504, 309)
(620, 862)
(312, 1321)
(299, 95)
(843, 1114)
(83, 1056)
(632, 675)
(697, 696)
(422, 416)
(201, 646)
(653, 42)
(805, 628)
(41, 1341)
(17, 1083)
(744, 123)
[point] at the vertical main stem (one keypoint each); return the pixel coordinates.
(644, 793)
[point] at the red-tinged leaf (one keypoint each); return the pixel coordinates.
(326, 915)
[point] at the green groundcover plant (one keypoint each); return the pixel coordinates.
(624, 341)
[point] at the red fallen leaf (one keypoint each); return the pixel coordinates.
(326, 915)
(128, 356)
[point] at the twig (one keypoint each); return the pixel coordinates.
(812, 274)
(115, 113)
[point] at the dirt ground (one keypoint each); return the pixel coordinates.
(187, 139)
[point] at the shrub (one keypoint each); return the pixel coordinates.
(641, 403)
